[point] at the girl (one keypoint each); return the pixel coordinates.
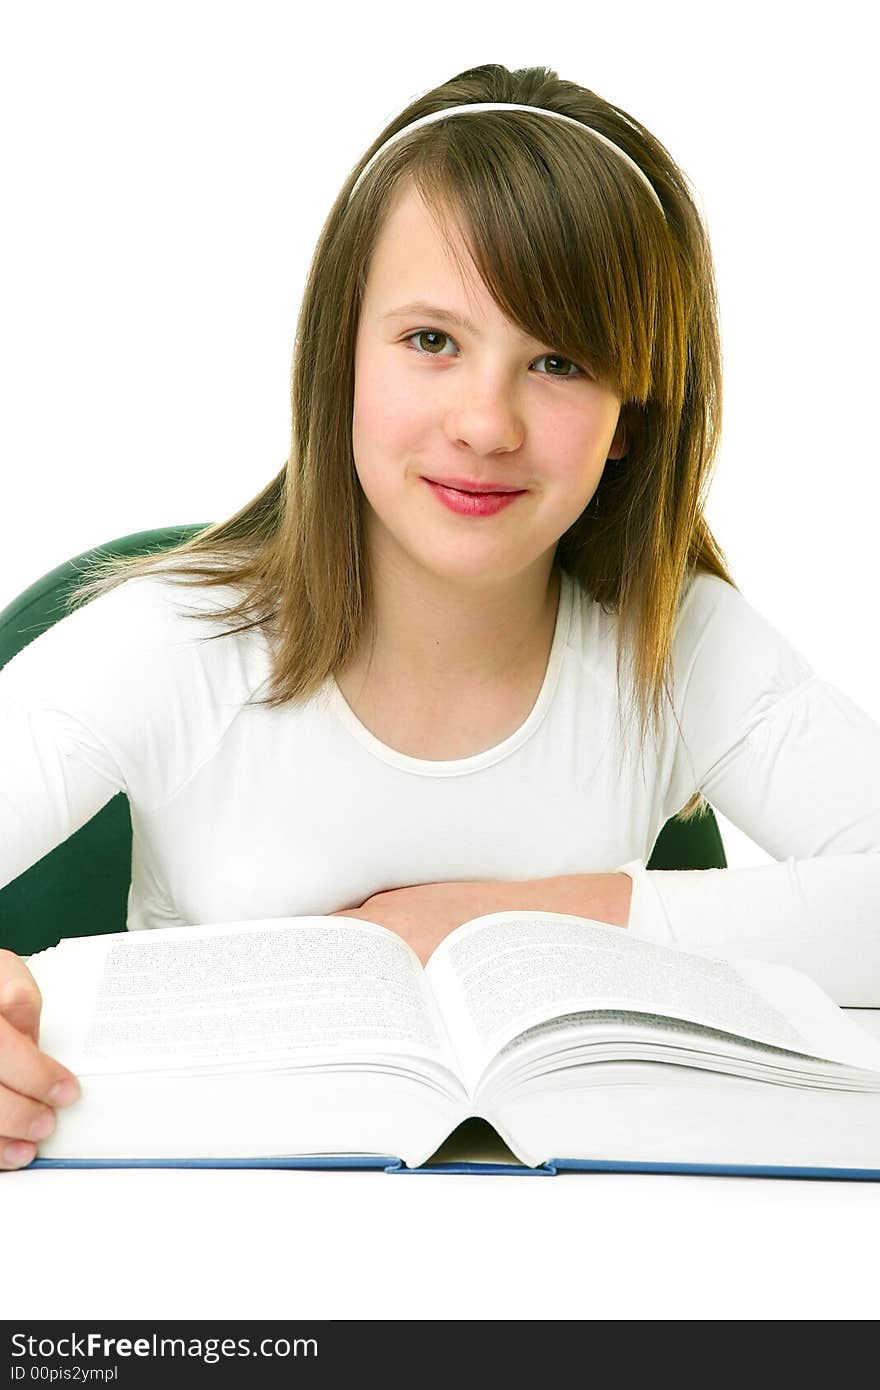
(475, 643)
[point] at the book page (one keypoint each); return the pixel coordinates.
(224, 996)
(505, 972)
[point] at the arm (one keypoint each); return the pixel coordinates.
(61, 702)
(601, 897)
(793, 762)
(423, 914)
(97, 704)
(56, 776)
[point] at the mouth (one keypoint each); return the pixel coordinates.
(468, 503)
(470, 489)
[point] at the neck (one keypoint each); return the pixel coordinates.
(441, 635)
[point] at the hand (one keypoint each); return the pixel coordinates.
(26, 1074)
(424, 913)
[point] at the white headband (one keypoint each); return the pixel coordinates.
(501, 106)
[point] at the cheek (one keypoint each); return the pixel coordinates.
(382, 436)
(574, 454)
(368, 404)
(385, 414)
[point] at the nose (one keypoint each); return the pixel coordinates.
(485, 418)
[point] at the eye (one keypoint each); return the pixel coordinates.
(545, 357)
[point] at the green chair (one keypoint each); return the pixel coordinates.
(80, 888)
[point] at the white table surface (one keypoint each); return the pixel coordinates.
(275, 1243)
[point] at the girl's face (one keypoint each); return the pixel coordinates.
(439, 399)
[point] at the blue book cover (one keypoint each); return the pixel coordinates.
(388, 1164)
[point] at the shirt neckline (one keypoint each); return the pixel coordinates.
(455, 767)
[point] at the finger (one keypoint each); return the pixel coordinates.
(15, 1153)
(20, 999)
(27, 1094)
(28, 1071)
(24, 1125)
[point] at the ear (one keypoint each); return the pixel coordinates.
(619, 444)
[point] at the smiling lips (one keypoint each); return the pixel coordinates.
(467, 486)
(467, 503)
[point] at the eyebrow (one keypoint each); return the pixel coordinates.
(434, 311)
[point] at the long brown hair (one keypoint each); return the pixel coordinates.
(577, 254)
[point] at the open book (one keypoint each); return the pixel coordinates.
(307, 1040)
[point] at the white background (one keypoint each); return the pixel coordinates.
(166, 169)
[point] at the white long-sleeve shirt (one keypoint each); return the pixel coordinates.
(244, 812)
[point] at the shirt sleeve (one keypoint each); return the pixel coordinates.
(56, 776)
(115, 696)
(794, 763)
